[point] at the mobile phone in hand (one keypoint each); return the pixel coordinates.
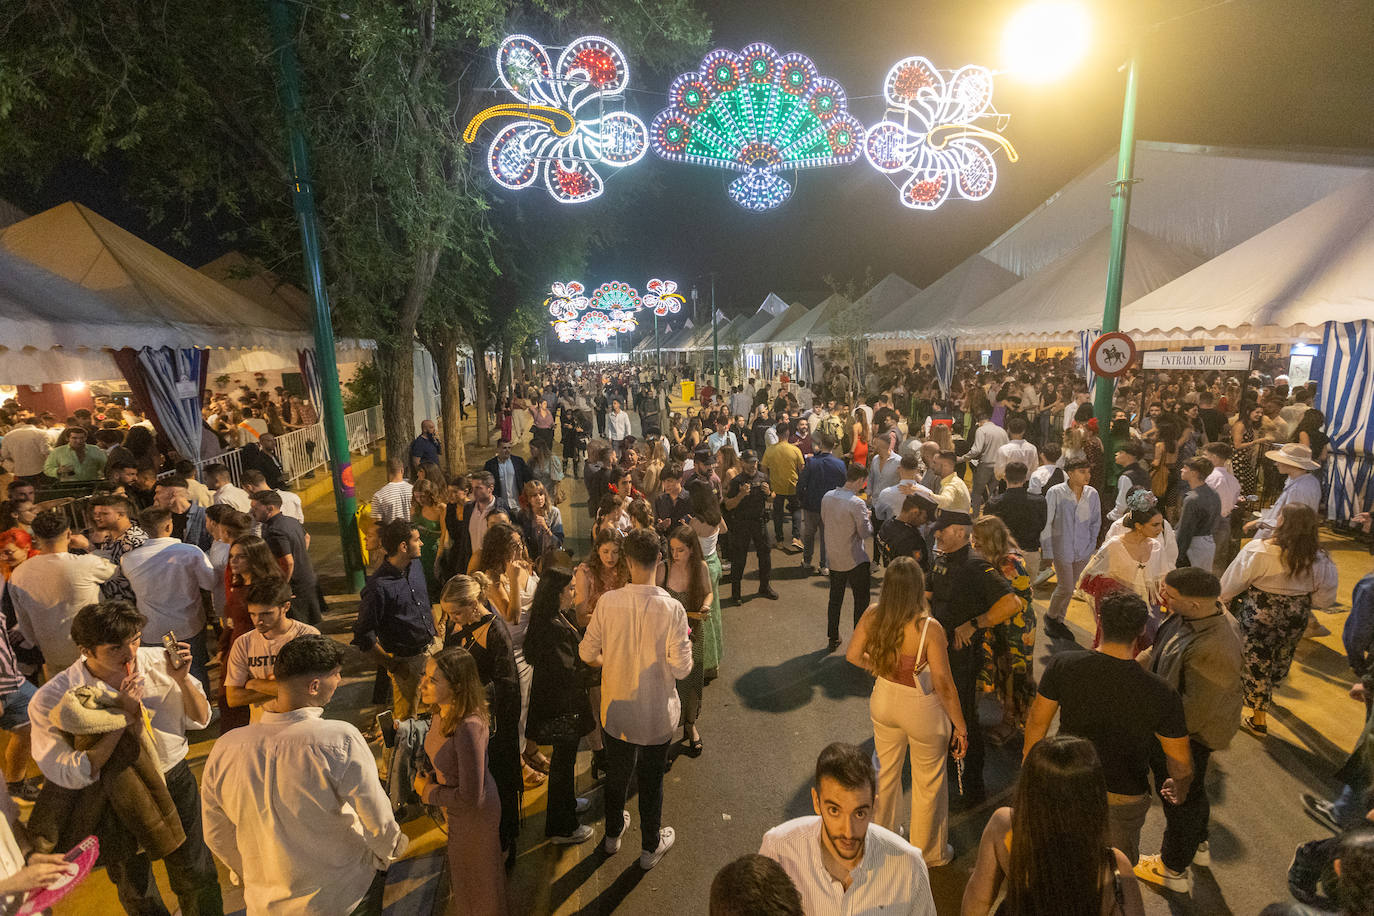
(169, 642)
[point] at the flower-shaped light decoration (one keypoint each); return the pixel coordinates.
(566, 300)
(662, 296)
(566, 128)
(610, 310)
(594, 325)
(757, 112)
(931, 135)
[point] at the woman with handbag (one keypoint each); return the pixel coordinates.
(560, 712)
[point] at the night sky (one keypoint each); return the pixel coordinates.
(1258, 73)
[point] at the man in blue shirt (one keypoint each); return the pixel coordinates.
(426, 449)
(395, 624)
(822, 473)
(1295, 462)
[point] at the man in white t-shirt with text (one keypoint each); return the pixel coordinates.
(249, 678)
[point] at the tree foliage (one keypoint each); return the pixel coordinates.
(180, 99)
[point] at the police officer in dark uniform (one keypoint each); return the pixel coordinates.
(747, 497)
(963, 587)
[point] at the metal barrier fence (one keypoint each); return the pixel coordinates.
(300, 451)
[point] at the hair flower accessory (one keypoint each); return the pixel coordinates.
(1141, 500)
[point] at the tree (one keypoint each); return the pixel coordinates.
(179, 99)
(849, 327)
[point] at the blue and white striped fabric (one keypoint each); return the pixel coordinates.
(310, 373)
(175, 379)
(1086, 339)
(469, 385)
(942, 349)
(807, 356)
(1345, 396)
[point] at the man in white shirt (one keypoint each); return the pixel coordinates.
(722, 437)
(24, 449)
(806, 398)
(1294, 461)
(167, 577)
(1015, 449)
(1080, 397)
(392, 500)
(888, 503)
(1228, 491)
(885, 467)
(987, 441)
(740, 401)
(638, 637)
(846, 527)
(222, 491)
(293, 803)
(841, 862)
(49, 589)
(156, 698)
(256, 482)
(617, 425)
(249, 673)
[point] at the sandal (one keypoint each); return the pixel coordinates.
(1255, 727)
(536, 761)
(533, 778)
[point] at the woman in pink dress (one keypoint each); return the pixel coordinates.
(462, 785)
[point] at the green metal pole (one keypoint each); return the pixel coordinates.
(331, 411)
(1116, 267)
(715, 333)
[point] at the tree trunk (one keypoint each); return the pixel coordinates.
(483, 393)
(396, 369)
(443, 346)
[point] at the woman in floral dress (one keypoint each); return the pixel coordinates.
(1010, 644)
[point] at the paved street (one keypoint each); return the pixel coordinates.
(780, 698)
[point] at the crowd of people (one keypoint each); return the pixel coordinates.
(494, 641)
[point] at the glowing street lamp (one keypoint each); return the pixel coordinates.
(1043, 41)
(1046, 40)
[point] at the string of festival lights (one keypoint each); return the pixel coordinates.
(609, 310)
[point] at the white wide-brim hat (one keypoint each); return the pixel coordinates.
(1295, 455)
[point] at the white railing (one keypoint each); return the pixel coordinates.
(304, 451)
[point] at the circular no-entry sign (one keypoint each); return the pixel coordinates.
(1111, 354)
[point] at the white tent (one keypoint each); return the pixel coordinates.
(1066, 296)
(1283, 284)
(1205, 199)
(973, 282)
(886, 295)
(797, 333)
(770, 331)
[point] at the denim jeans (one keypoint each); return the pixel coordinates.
(787, 505)
(812, 530)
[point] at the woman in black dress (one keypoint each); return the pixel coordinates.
(475, 626)
(560, 712)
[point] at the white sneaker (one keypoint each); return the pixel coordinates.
(583, 805)
(824, 571)
(612, 843)
(666, 836)
(581, 835)
(1203, 856)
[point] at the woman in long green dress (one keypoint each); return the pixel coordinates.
(427, 510)
(708, 524)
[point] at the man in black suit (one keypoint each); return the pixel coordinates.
(262, 456)
(510, 473)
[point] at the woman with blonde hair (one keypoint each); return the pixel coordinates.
(541, 523)
(1272, 586)
(477, 629)
(1010, 643)
(913, 704)
(456, 746)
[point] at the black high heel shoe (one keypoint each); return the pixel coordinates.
(693, 745)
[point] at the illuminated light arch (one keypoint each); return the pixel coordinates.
(663, 298)
(932, 136)
(757, 112)
(565, 129)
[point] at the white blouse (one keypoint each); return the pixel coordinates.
(1115, 561)
(1260, 565)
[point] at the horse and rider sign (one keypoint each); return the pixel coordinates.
(1111, 354)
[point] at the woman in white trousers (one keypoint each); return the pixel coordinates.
(914, 706)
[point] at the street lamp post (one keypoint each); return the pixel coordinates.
(1116, 265)
(303, 197)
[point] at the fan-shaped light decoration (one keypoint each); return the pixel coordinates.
(565, 127)
(610, 310)
(662, 296)
(932, 136)
(616, 297)
(595, 325)
(760, 113)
